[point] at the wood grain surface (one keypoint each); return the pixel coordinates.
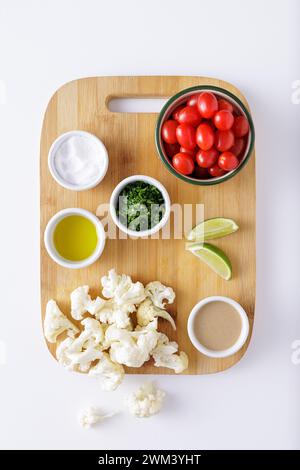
(129, 139)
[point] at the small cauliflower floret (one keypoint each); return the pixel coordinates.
(113, 314)
(158, 293)
(56, 323)
(80, 300)
(95, 306)
(165, 355)
(146, 313)
(79, 360)
(109, 374)
(92, 335)
(146, 401)
(91, 416)
(122, 290)
(131, 348)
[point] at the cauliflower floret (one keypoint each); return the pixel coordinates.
(56, 323)
(95, 306)
(79, 353)
(158, 293)
(146, 401)
(110, 313)
(109, 374)
(164, 355)
(80, 300)
(92, 335)
(90, 416)
(146, 313)
(131, 348)
(122, 290)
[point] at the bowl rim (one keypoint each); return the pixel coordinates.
(118, 189)
(239, 342)
(48, 238)
(51, 157)
(211, 181)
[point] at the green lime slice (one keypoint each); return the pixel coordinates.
(212, 228)
(213, 257)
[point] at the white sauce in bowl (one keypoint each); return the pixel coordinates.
(78, 160)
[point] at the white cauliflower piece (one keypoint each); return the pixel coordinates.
(158, 293)
(80, 300)
(92, 335)
(109, 374)
(146, 401)
(146, 313)
(56, 323)
(79, 353)
(122, 290)
(131, 348)
(165, 355)
(95, 306)
(110, 313)
(90, 416)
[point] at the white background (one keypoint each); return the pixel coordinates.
(255, 45)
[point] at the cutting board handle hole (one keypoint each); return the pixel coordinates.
(136, 105)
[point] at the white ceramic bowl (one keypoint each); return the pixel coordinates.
(103, 157)
(48, 238)
(241, 339)
(114, 200)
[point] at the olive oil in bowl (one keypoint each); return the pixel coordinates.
(75, 238)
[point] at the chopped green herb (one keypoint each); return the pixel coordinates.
(140, 206)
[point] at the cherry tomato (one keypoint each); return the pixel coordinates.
(207, 104)
(207, 158)
(192, 101)
(224, 140)
(192, 153)
(186, 136)
(176, 112)
(216, 171)
(200, 173)
(224, 104)
(223, 120)
(171, 149)
(240, 126)
(168, 131)
(238, 147)
(228, 161)
(183, 163)
(205, 136)
(189, 115)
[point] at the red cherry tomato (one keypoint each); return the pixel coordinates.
(207, 104)
(238, 147)
(205, 136)
(192, 101)
(228, 161)
(223, 120)
(186, 136)
(189, 115)
(240, 126)
(224, 140)
(171, 149)
(176, 112)
(207, 158)
(183, 163)
(168, 131)
(216, 171)
(200, 173)
(224, 104)
(192, 153)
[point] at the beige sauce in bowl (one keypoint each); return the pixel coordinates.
(217, 325)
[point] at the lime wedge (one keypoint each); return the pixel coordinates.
(213, 257)
(212, 228)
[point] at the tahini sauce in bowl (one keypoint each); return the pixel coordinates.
(218, 326)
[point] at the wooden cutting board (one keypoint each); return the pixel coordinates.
(129, 139)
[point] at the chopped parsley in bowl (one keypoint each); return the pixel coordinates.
(140, 205)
